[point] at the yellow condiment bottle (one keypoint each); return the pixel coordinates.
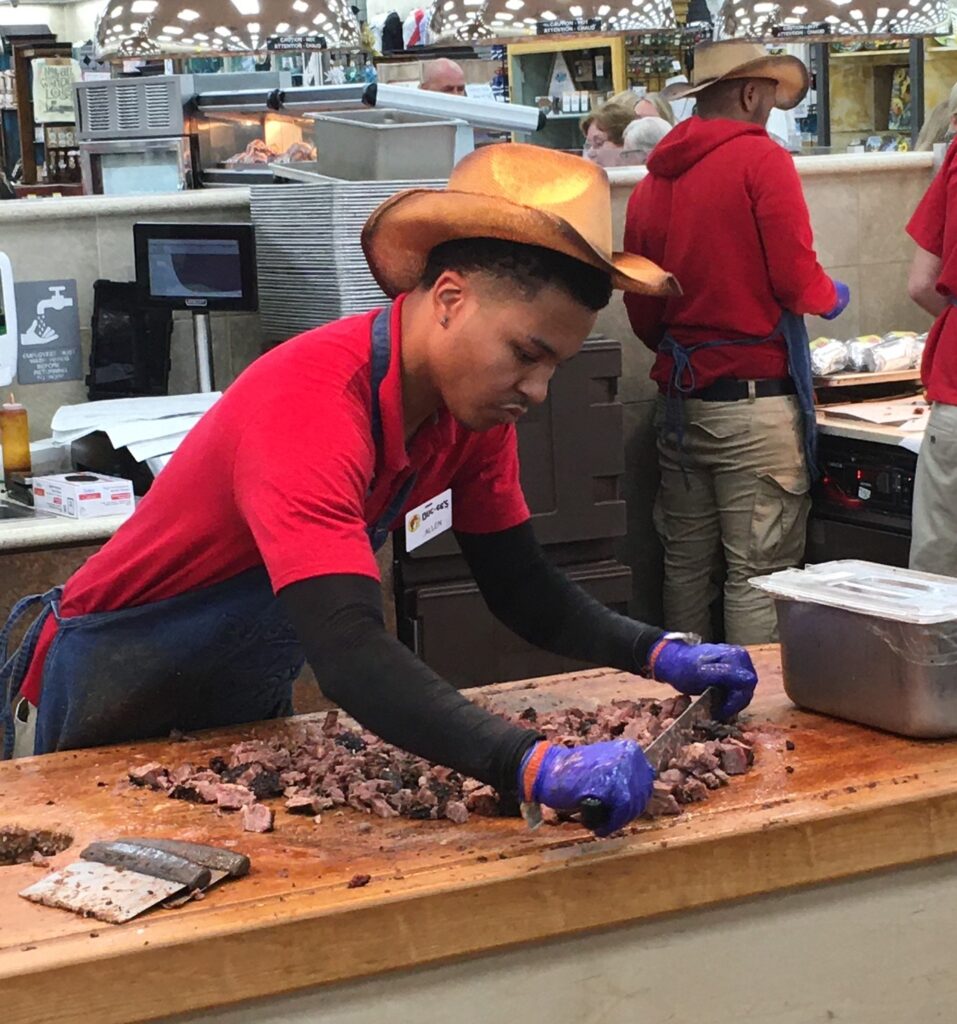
(15, 439)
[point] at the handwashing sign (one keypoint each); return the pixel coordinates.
(49, 327)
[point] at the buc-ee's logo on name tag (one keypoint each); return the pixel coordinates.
(428, 520)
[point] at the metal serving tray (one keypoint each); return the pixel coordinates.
(870, 643)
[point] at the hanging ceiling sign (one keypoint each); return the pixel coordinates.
(819, 28)
(312, 41)
(564, 27)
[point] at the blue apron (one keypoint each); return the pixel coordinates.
(682, 382)
(217, 656)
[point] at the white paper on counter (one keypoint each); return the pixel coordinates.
(73, 421)
(884, 414)
(123, 434)
(143, 450)
(912, 443)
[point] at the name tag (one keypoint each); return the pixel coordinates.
(428, 520)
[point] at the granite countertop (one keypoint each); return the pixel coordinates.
(194, 200)
(809, 166)
(43, 531)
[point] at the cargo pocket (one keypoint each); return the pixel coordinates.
(779, 520)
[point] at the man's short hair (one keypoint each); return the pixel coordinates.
(527, 268)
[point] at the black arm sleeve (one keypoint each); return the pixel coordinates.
(543, 606)
(391, 692)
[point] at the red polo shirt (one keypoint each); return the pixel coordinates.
(278, 473)
(722, 209)
(933, 230)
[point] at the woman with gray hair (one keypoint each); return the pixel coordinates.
(640, 138)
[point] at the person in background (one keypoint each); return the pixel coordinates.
(722, 208)
(933, 286)
(653, 104)
(641, 137)
(941, 124)
(604, 131)
(649, 105)
(443, 75)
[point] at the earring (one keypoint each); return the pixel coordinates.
(445, 321)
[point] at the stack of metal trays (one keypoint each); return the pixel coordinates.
(309, 256)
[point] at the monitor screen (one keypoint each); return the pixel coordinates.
(196, 266)
(204, 267)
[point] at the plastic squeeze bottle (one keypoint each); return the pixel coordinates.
(15, 439)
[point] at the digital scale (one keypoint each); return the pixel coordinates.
(202, 268)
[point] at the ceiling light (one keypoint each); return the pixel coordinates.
(246, 6)
(300, 6)
(188, 15)
(282, 27)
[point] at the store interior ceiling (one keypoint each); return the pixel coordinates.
(136, 28)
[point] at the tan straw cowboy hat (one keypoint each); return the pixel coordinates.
(734, 58)
(514, 192)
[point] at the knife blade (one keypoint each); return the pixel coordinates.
(594, 812)
(664, 747)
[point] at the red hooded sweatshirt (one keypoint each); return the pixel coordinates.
(722, 209)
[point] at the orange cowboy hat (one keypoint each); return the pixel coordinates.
(514, 192)
(736, 58)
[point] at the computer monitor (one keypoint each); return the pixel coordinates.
(199, 267)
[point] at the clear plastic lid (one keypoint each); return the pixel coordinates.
(880, 590)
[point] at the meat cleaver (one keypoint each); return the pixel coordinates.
(116, 881)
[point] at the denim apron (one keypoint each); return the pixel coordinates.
(682, 381)
(217, 656)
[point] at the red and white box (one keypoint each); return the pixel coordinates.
(83, 495)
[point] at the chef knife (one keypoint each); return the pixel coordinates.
(594, 813)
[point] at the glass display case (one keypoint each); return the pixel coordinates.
(135, 167)
(587, 69)
(235, 147)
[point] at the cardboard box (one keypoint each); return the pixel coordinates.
(83, 495)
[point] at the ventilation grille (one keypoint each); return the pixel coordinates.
(129, 109)
(98, 108)
(159, 105)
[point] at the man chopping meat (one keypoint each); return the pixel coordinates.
(254, 548)
(722, 208)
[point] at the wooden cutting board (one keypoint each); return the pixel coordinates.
(855, 800)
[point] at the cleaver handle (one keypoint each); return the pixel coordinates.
(149, 861)
(594, 812)
(213, 857)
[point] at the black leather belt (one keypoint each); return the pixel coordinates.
(726, 389)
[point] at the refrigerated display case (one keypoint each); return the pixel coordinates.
(136, 167)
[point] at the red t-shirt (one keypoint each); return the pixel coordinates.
(722, 208)
(933, 230)
(277, 473)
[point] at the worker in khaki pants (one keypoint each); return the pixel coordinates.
(722, 208)
(933, 286)
(737, 508)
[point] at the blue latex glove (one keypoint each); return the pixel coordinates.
(692, 668)
(616, 772)
(843, 298)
